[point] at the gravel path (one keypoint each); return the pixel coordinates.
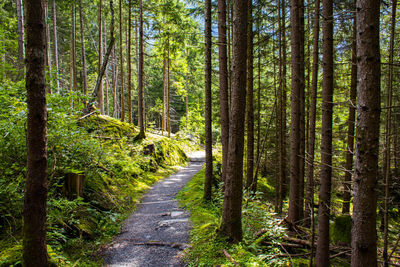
(158, 231)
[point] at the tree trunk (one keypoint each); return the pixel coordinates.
(283, 151)
(100, 90)
(367, 135)
(55, 46)
(163, 100)
(84, 71)
(301, 156)
(121, 63)
(251, 181)
(388, 126)
(309, 200)
(293, 215)
(232, 206)
(106, 100)
(167, 92)
(129, 62)
(322, 253)
(34, 212)
(48, 52)
(223, 84)
(350, 125)
(208, 103)
(114, 83)
(72, 68)
(141, 73)
(21, 40)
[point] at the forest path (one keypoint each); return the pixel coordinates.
(158, 231)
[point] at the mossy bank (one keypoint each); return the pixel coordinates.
(112, 170)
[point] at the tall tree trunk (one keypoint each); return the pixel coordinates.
(293, 215)
(121, 63)
(129, 62)
(55, 46)
(100, 90)
(309, 200)
(72, 68)
(223, 84)
(84, 71)
(208, 102)
(322, 253)
(279, 113)
(388, 128)
(34, 212)
(251, 181)
(283, 151)
(21, 40)
(114, 83)
(302, 114)
(168, 87)
(48, 52)
(258, 154)
(232, 206)
(164, 96)
(141, 73)
(350, 124)
(229, 49)
(187, 95)
(367, 135)
(106, 97)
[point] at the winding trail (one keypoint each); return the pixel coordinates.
(158, 231)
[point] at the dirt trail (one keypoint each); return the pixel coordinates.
(158, 231)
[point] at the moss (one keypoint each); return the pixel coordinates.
(340, 230)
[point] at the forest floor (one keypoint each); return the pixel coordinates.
(158, 231)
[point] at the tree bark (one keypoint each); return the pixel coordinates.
(223, 84)
(34, 211)
(106, 98)
(121, 63)
(208, 103)
(55, 46)
(114, 83)
(141, 73)
(84, 71)
(72, 68)
(21, 40)
(388, 129)
(128, 50)
(100, 93)
(302, 128)
(283, 140)
(293, 215)
(322, 253)
(350, 125)
(232, 206)
(48, 52)
(251, 181)
(367, 135)
(168, 87)
(309, 200)
(163, 103)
